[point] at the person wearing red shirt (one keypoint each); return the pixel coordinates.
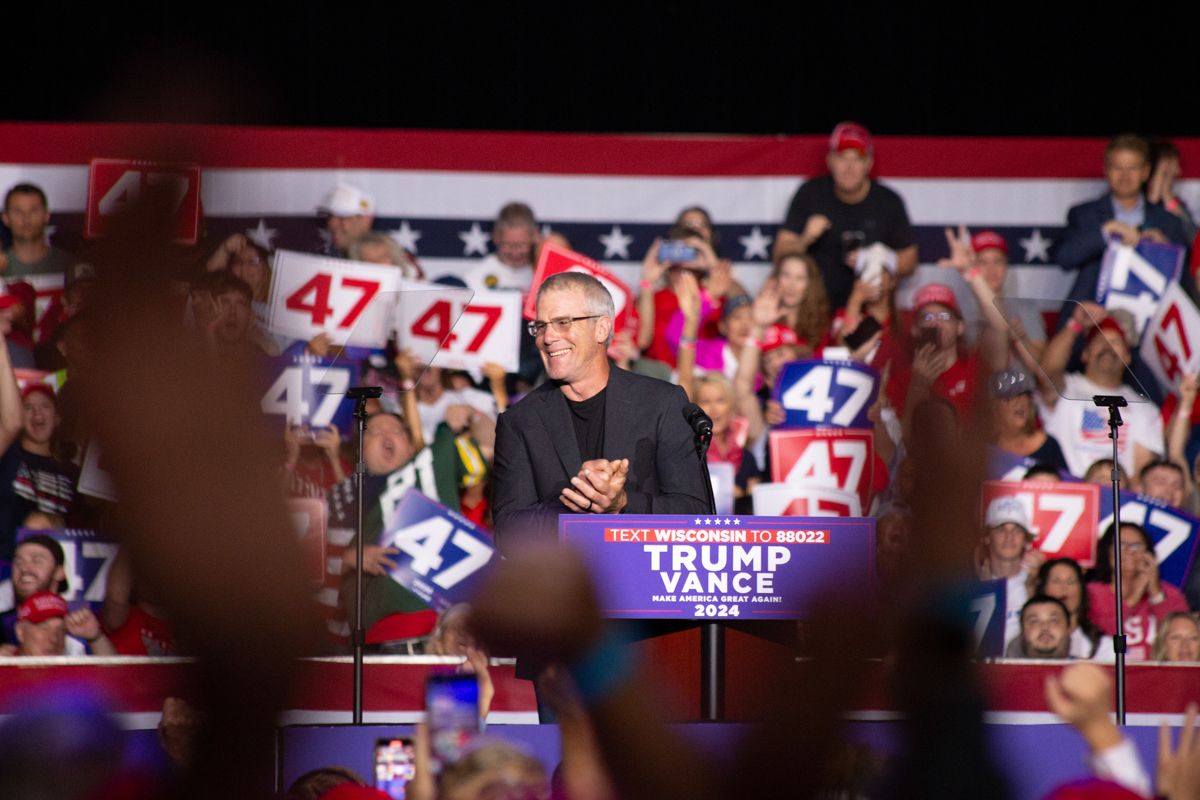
(1147, 598)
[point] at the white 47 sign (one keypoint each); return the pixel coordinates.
(348, 300)
(1171, 345)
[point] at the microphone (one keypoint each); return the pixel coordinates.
(700, 422)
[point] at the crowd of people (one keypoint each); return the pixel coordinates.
(839, 260)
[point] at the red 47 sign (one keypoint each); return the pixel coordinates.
(1063, 516)
(1171, 344)
(789, 500)
(349, 300)
(448, 327)
(825, 458)
(114, 184)
(554, 259)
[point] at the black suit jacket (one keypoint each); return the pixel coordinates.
(537, 454)
(1084, 245)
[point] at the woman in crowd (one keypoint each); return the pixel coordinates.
(803, 303)
(1062, 579)
(714, 393)
(376, 247)
(1014, 419)
(1147, 598)
(251, 263)
(872, 299)
(1178, 638)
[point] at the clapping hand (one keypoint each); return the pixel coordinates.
(599, 488)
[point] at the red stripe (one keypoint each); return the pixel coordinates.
(550, 153)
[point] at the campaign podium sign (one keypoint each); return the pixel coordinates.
(744, 568)
(1173, 531)
(1062, 516)
(444, 558)
(816, 393)
(88, 555)
(115, 184)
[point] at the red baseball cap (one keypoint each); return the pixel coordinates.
(1110, 324)
(936, 293)
(985, 239)
(41, 607)
(851, 136)
(44, 388)
(777, 336)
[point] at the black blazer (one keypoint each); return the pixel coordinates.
(1083, 246)
(537, 454)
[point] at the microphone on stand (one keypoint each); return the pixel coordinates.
(701, 424)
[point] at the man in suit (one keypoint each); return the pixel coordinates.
(1123, 211)
(593, 438)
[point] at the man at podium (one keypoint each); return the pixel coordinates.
(593, 439)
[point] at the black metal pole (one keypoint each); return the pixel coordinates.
(1114, 423)
(712, 634)
(358, 634)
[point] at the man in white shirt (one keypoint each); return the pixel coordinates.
(1010, 555)
(351, 212)
(516, 236)
(1080, 426)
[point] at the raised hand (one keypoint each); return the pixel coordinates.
(815, 227)
(652, 268)
(1179, 770)
(766, 310)
(687, 289)
(962, 255)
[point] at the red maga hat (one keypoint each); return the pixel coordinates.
(41, 607)
(936, 293)
(851, 136)
(985, 239)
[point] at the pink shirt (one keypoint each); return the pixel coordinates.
(1141, 621)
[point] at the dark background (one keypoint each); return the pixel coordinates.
(701, 67)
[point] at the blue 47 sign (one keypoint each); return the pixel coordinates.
(306, 390)
(444, 558)
(87, 557)
(1135, 279)
(989, 603)
(1173, 531)
(819, 394)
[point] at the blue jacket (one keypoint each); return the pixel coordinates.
(1084, 245)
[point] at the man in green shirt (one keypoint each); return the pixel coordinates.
(26, 213)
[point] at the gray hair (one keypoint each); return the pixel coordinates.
(599, 301)
(515, 215)
(399, 257)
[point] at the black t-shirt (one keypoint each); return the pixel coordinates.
(588, 418)
(1051, 453)
(878, 217)
(31, 482)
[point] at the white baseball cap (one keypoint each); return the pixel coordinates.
(1007, 509)
(345, 200)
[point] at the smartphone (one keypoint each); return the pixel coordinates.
(852, 241)
(926, 336)
(865, 330)
(676, 253)
(394, 765)
(452, 709)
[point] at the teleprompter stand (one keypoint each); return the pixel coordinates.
(1114, 404)
(360, 395)
(712, 634)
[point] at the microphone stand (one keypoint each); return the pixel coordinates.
(358, 636)
(1114, 403)
(712, 634)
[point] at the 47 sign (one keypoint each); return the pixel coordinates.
(444, 558)
(817, 393)
(1171, 345)
(349, 300)
(116, 184)
(1062, 516)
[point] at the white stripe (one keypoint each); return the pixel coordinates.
(339, 536)
(65, 186)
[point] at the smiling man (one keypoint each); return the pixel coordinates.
(592, 439)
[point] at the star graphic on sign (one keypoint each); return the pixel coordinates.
(406, 237)
(1036, 247)
(737, 521)
(262, 235)
(616, 244)
(709, 522)
(756, 244)
(474, 240)
(698, 522)
(727, 522)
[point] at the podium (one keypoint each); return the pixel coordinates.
(713, 571)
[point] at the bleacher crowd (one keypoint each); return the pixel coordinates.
(844, 251)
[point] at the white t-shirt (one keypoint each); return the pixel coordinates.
(1016, 595)
(433, 413)
(1081, 427)
(492, 273)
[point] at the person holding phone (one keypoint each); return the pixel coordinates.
(833, 216)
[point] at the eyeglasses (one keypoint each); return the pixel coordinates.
(561, 324)
(941, 316)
